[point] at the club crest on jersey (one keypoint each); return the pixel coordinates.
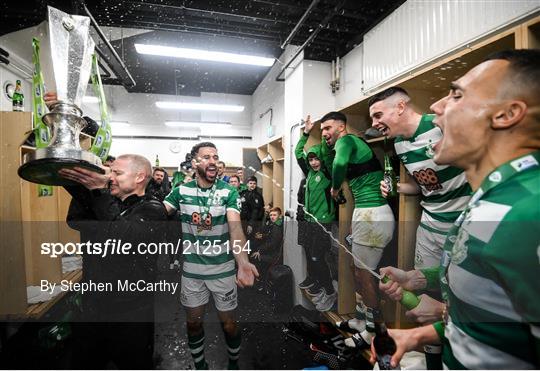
(460, 248)
(429, 151)
(495, 177)
(318, 178)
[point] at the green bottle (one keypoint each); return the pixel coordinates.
(18, 98)
(389, 177)
(408, 299)
(157, 161)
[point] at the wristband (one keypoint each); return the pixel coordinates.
(439, 327)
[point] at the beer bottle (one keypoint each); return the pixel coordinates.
(389, 177)
(157, 161)
(408, 299)
(18, 98)
(385, 346)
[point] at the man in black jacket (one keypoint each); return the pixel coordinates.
(120, 322)
(267, 243)
(158, 186)
(252, 207)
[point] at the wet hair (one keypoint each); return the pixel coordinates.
(234, 176)
(159, 169)
(251, 179)
(198, 146)
(338, 116)
(276, 209)
(139, 163)
(524, 70)
(386, 93)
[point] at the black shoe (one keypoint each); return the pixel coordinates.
(307, 283)
(315, 290)
(352, 326)
(357, 341)
(329, 290)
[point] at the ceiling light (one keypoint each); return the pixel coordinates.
(90, 99)
(206, 55)
(202, 124)
(199, 106)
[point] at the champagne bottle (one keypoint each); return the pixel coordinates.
(385, 346)
(408, 299)
(18, 98)
(433, 357)
(389, 177)
(157, 161)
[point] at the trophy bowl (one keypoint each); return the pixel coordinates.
(64, 151)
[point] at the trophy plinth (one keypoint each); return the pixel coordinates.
(66, 64)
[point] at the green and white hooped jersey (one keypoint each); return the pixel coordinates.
(489, 273)
(445, 191)
(205, 232)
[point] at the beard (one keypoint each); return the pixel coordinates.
(203, 174)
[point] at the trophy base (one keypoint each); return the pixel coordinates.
(43, 165)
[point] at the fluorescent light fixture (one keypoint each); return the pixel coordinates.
(206, 55)
(200, 106)
(90, 99)
(202, 124)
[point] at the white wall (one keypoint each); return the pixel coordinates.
(270, 94)
(293, 255)
(9, 75)
(317, 97)
(351, 84)
(152, 147)
(19, 46)
(146, 120)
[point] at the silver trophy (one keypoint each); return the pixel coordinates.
(66, 62)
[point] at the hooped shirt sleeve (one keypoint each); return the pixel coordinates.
(234, 203)
(173, 198)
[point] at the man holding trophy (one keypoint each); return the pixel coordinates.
(115, 326)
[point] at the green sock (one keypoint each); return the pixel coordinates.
(196, 347)
(233, 349)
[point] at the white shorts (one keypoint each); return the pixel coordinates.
(373, 226)
(369, 255)
(429, 248)
(196, 292)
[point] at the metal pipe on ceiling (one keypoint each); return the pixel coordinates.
(210, 13)
(300, 23)
(310, 39)
(131, 82)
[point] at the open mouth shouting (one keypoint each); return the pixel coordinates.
(211, 171)
(437, 145)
